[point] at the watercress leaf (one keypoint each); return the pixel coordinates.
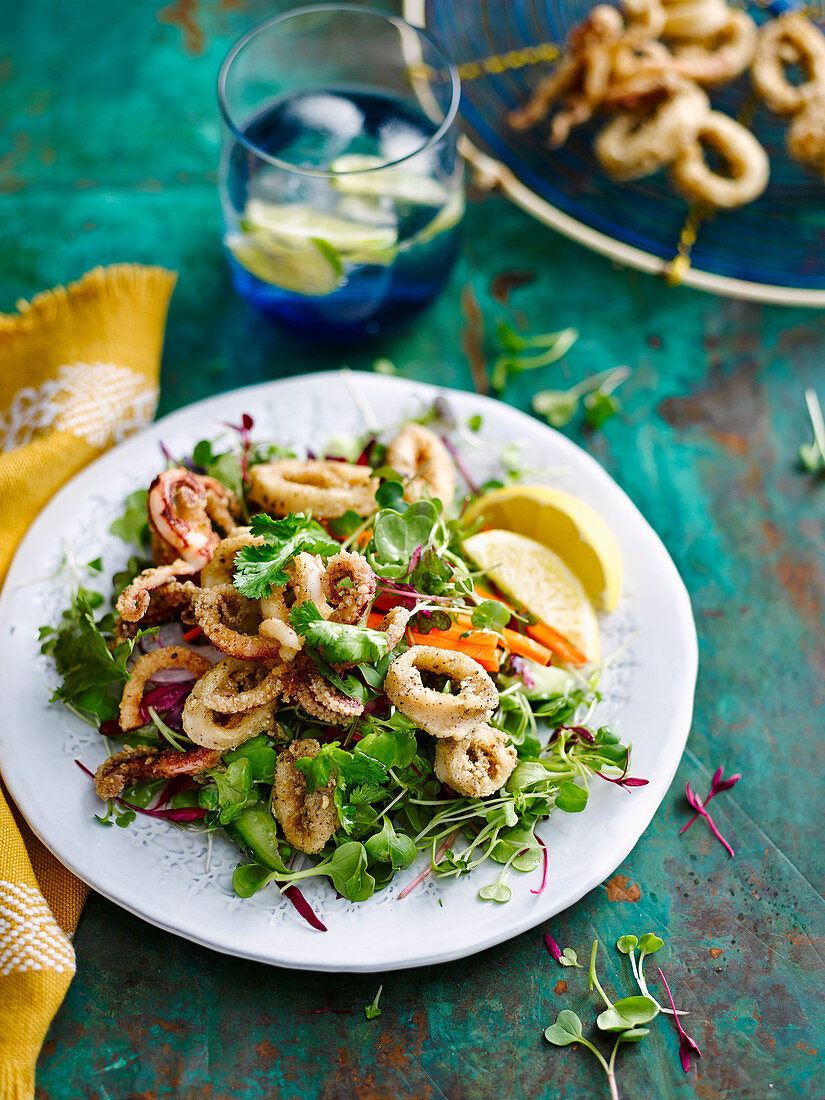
(626, 944)
(133, 525)
(397, 535)
(249, 878)
(571, 798)
(490, 615)
(259, 568)
(649, 943)
(338, 643)
(497, 891)
(262, 757)
(227, 469)
(475, 422)
(431, 575)
(344, 526)
(390, 494)
(347, 869)
(566, 1030)
(124, 818)
(392, 748)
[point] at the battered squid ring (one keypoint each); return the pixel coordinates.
(183, 508)
(692, 20)
(636, 144)
(789, 38)
(348, 604)
(215, 730)
(221, 568)
(722, 57)
(477, 765)
(308, 820)
(138, 762)
(394, 625)
(233, 686)
(275, 624)
(173, 656)
(440, 714)
(743, 155)
(133, 602)
(418, 454)
(805, 139)
(208, 608)
(306, 579)
(310, 690)
(327, 489)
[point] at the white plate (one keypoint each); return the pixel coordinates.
(159, 872)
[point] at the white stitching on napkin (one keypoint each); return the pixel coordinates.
(30, 938)
(101, 403)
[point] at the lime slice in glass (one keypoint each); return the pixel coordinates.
(313, 268)
(296, 223)
(447, 217)
(359, 174)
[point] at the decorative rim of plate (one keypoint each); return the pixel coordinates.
(306, 958)
(414, 12)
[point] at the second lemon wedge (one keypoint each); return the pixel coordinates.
(536, 577)
(565, 525)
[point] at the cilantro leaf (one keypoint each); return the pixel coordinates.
(338, 643)
(88, 668)
(259, 569)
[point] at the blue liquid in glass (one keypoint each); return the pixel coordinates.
(311, 130)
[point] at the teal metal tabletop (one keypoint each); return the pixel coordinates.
(108, 150)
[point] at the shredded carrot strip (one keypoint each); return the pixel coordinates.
(190, 635)
(556, 641)
(523, 646)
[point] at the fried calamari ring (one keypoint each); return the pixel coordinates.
(234, 687)
(787, 40)
(394, 625)
(721, 58)
(135, 599)
(694, 20)
(476, 765)
(136, 763)
(306, 579)
(221, 568)
(275, 624)
(805, 139)
(418, 454)
(348, 603)
(210, 607)
(745, 159)
(645, 18)
(440, 714)
(217, 730)
(325, 488)
(306, 685)
(308, 820)
(636, 144)
(557, 84)
(169, 601)
(183, 508)
(172, 656)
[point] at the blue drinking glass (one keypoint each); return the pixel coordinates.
(340, 181)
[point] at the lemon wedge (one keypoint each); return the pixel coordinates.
(535, 577)
(564, 524)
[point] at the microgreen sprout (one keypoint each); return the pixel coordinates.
(812, 455)
(687, 1046)
(559, 407)
(372, 1010)
(513, 361)
(564, 957)
(717, 785)
(648, 944)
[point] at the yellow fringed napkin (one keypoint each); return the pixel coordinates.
(78, 371)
